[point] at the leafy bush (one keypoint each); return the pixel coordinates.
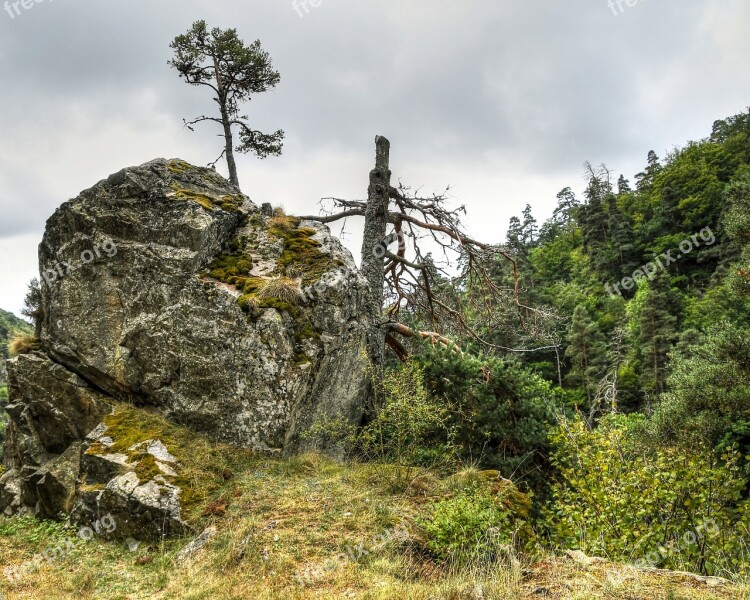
(479, 523)
(670, 507)
(410, 427)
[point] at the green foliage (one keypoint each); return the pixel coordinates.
(586, 350)
(500, 412)
(479, 523)
(676, 508)
(587, 249)
(220, 60)
(709, 391)
(410, 425)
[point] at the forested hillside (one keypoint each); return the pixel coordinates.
(643, 287)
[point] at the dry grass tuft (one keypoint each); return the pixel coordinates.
(282, 288)
(23, 344)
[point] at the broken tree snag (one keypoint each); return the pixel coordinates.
(418, 258)
(376, 224)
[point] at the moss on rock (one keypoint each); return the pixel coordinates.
(200, 464)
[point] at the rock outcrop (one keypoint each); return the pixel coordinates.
(163, 287)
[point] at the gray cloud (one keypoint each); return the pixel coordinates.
(504, 100)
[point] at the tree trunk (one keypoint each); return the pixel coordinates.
(228, 141)
(376, 222)
(231, 165)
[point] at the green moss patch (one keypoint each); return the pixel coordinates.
(301, 252)
(232, 266)
(201, 466)
(300, 258)
(179, 167)
(208, 201)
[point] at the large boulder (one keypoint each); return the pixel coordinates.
(144, 322)
(164, 287)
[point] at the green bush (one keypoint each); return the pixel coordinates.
(668, 507)
(411, 426)
(479, 523)
(501, 413)
(709, 391)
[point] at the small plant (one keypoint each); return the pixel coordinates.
(283, 288)
(23, 344)
(481, 523)
(410, 426)
(336, 432)
(282, 221)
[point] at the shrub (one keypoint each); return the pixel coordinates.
(480, 523)
(669, 507)
(501, 413)
(409, 421)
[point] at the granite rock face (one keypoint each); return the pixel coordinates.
(164, 287)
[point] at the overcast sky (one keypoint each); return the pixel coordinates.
(503, 100)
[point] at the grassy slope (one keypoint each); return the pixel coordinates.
(280, 516)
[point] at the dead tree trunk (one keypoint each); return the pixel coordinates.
(376, 223)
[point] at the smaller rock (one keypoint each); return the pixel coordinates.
(156, 449)
(196, 545)
(11, 494)
(583, 560)
(54, 484)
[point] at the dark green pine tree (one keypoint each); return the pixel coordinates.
(529, 227)
(622, 240)
(656, 326)
(568, 206)
(514, 238)
(594, 221)
(587, 351)
(645, 180)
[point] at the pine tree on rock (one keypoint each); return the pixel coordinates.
(220, 60)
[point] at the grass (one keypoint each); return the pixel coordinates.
(285, 289)
(23, 344)
(305, 527)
